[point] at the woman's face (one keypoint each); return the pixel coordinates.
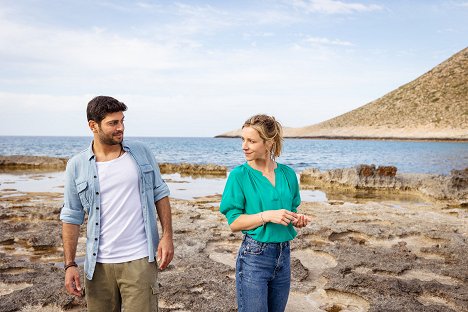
(253, 146)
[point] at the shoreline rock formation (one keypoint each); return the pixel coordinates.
(193, 169)
(24, 162)
(385, 178)
(453, 187)
(45, 163)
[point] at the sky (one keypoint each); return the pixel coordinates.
(201, 68)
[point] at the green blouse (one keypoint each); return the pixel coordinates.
(247, 191)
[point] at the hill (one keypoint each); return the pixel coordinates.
(432, 107)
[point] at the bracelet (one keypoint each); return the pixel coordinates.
(261, 216)
(71, 264)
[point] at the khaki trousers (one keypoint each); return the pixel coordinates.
(130, 287)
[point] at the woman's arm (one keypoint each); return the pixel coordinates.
(252, 221)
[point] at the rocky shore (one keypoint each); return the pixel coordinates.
(22, 162)
(453, 187)
(380, 253)
(193, 169)
(44, 163)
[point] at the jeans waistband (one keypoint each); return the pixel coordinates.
(247, 238)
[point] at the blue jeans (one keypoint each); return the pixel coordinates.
(263, 276)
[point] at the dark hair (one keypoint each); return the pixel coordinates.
(269, 129)
(102, 105)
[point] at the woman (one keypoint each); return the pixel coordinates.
(261, 199)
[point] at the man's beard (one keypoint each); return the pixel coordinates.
(110, 140)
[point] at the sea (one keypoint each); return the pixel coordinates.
(300, 154)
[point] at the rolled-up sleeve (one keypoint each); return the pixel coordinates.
(72, 210)
(160, 188)
(296, 194)
(233, 199)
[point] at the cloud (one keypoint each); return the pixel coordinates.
(44, 102)
(327, 42)
(180, 64)
(334, 7)
(270, 17)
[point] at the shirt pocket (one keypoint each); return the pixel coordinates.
(148, 176)
(82, 188)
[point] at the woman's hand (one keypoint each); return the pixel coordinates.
(282, 216)
(302, 220)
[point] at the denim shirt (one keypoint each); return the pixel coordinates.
(81, 196)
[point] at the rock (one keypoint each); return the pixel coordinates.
(193, 169)
(21, 162)
(299, 273)
(366, 170)
(385, 178)
(459, 179)
(387, 171)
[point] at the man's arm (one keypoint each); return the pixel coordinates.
(70, 234)
(166, 246)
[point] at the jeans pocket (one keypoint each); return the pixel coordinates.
(253, 248)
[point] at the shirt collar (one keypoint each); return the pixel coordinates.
(90, 152)
(125, 146)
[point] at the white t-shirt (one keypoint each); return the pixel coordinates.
(122, 235)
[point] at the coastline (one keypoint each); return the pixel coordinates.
(385, 179)
(363, 138)
(321, 131)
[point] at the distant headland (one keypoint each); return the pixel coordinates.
(433, 107)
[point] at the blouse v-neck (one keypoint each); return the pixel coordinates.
(259, 173)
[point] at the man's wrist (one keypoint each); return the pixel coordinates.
(69, 265)
(166, 236)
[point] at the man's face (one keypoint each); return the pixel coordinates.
(111, 129)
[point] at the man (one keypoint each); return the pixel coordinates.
(119, 186)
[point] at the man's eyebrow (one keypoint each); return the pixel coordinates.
(114, 120)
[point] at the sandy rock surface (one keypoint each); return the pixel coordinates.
(357, 255)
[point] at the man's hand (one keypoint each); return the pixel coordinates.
(166, 246)
(72, 281)
(165, 251)
(70, 233)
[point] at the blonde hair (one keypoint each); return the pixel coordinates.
(269, 129)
